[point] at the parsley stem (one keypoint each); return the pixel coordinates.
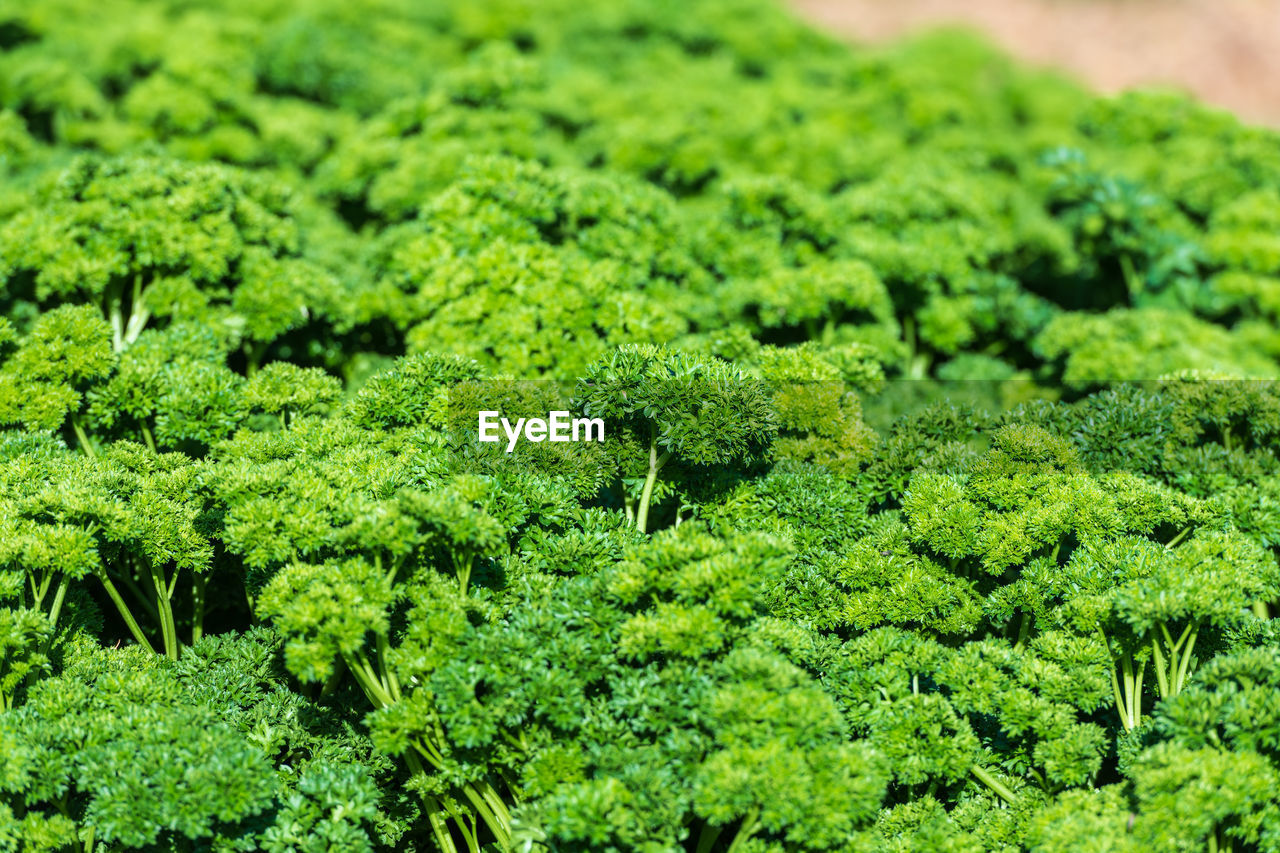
(129, 621)
(1182, 534)
(1024, 627)
(55, 609)
(368, 681)
(745, 831)
(126, 578)
(1121, 704)
(331, 683)
(1185, 665)
(199, 584)
(1162, 678)
(148, 437)
(168, 626)
(439, 828)
(707, 837)
(997, 787)
(656, 461)
(82, 438)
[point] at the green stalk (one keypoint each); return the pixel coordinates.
(148, 437)
(377, 676)
(1133, 690)
(1131, 281)
(142, 598)
(1185, 664)
(1115, 684)
(168, 627)
(1182, 534)
(397, 563)
(382, 689)
(471, 833)
(1261, 610)
(127, 333)
(1162, 678)
(82, 438)
(498, 806)
(114, 297)
(55, 610)
(745, 831)
(707, 837)
(138, 314)
(439, 828)
(415, 766)
(198, 586)
(460, 819)
(331, 683)
(39, 591)
(430, 752)
(656, 461)
(985, 777)
(388, 676)
(1129, 701)
(511, 787)
(918, 362)
(1127, 678)
(484, 810)
(1119, 697)
(1024, 629)
(487, 801)
(253, 354)
(1137, 695)
(114, 595)
(499, 824)
(462, 568)
(1170, 685)
(368, 682)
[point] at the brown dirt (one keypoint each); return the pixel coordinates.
(1226, 52)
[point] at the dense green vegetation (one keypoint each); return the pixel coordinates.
(939, 506)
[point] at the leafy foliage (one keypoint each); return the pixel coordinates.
(937, 505)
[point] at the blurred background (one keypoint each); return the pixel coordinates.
(1226, 52)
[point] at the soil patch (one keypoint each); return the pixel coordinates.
(1225, 52)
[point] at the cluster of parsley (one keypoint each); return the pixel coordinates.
(820, 588)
